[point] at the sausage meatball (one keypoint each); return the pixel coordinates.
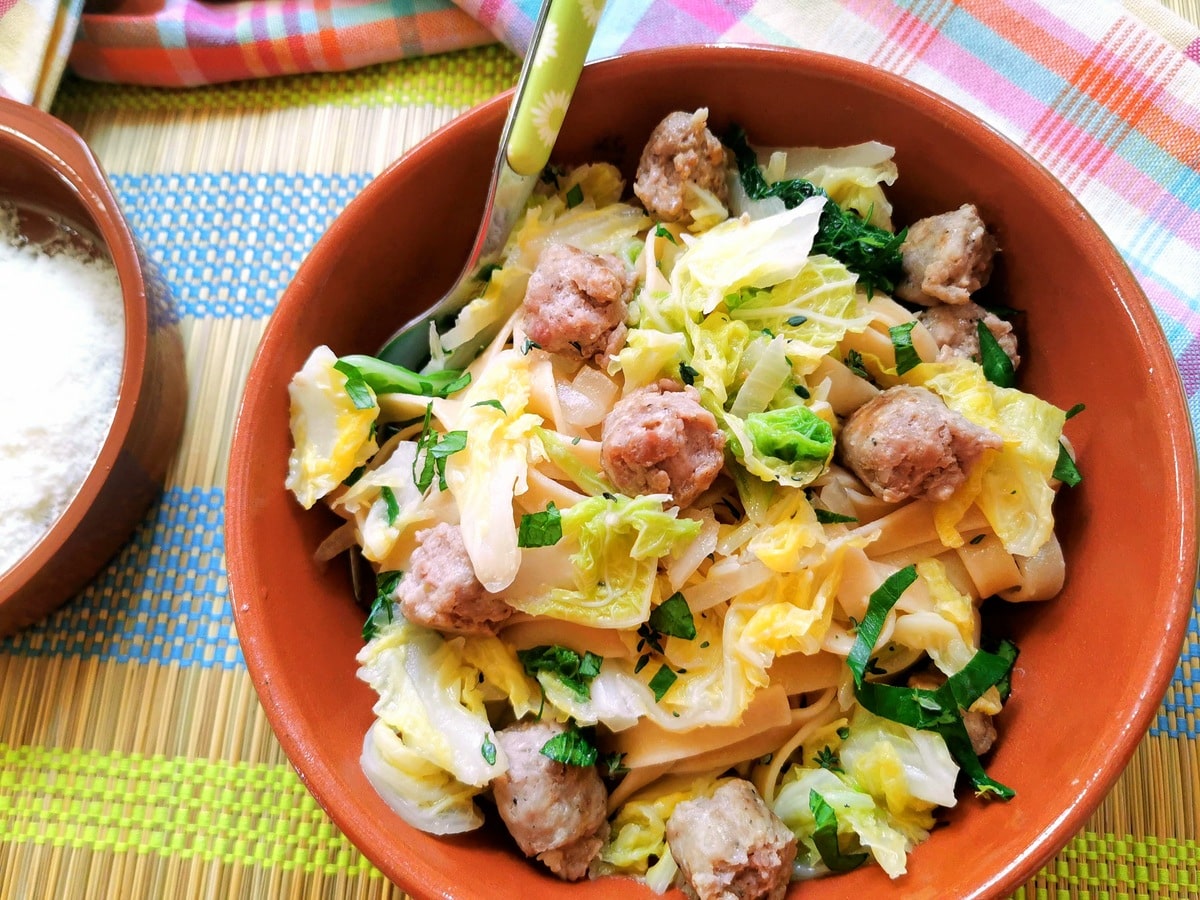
(660, 440)
(731, 845)
(906, 443)
(955, 329)
(946, 258)
(576, 302)
(439, 589)
(979, 725)
(554, 811)
(681, 151)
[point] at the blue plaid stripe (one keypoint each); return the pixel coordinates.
(228, 243)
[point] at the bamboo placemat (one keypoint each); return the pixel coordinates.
(135, 760)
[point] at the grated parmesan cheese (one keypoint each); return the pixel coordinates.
(62, 336)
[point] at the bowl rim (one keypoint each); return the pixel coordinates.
(59, 149)
(1045, 843)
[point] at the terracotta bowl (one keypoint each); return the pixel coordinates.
(1095, 662)
(51, 175)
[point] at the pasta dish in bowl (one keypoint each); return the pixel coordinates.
(708, 570)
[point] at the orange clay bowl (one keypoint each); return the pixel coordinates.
(1095, 662)
(52, 176)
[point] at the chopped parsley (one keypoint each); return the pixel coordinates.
(529, 344)
(673, 617)
(662, 681)
(432, 451)
(1065, 469)
(574, 196)
(829, 517)
(488, 751)
(382, 606)
(356, 387)
(542, 529)
(572, 748)
(687, 374)
(574, 671)
(390, 504)
(997, 366)
(907, 357)
(495, 404)
(662, 231)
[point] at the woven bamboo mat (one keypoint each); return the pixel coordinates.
(135, 760)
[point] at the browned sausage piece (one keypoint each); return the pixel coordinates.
(439, 589)
(946, 257)
(576, 302)
(731, 845)
(979, 725)
(954, 327)
(906, 443)
(660, 440)
(554, 811)
(681, 150)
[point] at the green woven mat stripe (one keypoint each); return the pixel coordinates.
(212, 811)
(261, 815)
(460, 80)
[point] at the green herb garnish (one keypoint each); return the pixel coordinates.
(1075, 410)
(997, 366)
(488, 751)
(673, 617)
(495, 404)
(662, 681)
(661, 230)
(826, 758)
(542, 529)
(432, 452)
(574, 671)
(574, 196)
(356, 387)
(907, 357)
(1065, 469)
(829, 517)
(390, 504)
(572, 748)
(687, 374)
(382, 606)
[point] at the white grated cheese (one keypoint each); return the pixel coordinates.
(62, 336)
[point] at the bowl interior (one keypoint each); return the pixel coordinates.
(1093, 662)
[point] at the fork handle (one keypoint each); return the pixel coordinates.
(556, 55)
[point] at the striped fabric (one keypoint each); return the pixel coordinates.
(135, 759)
